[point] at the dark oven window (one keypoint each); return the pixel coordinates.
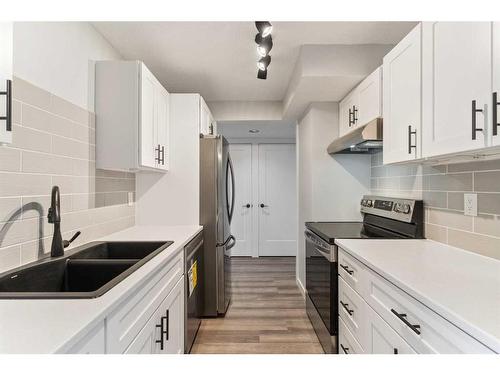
(321, 285)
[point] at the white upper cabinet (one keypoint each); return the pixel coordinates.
(402, 100)
(208, 126)
(6, 82)
(361, 105)
(495, 107)
(370, 97)
(348, 112)
(132, 118)
(456, 82)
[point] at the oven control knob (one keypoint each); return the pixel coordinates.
(406, 208)
(363, 202)
(369, 203)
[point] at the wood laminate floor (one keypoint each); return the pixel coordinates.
(266, 315)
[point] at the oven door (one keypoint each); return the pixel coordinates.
(321, 280)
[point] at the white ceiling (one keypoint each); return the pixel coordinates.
(218, 59)
(267, 129)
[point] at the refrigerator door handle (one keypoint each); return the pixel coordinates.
(231, 245)
(230, 170)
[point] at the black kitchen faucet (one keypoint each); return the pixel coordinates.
(54, 216)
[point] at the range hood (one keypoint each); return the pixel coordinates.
(365, 139)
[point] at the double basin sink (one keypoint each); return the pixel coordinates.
(88, 271)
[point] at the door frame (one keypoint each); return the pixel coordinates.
(254, 238)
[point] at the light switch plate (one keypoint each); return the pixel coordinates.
(470, 204)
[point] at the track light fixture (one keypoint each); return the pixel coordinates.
(265, 28)
(264, 42)
(264, 62)
(264, 45)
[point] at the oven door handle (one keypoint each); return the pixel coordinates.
(325, 254)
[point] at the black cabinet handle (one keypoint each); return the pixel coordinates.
(496, 103)
(167, 325)
(350, 117)
(161, 327)
(396, 351)
(354, 113)
(8, 105)
(162, 153)
(346, 307)
(410, 133)
(157, 157)
(475, 129)
(346, 350)
(346, 269)
(164, 330)
(414, 327)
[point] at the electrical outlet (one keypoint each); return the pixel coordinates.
(470, 204)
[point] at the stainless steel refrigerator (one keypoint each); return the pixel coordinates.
(216, 211)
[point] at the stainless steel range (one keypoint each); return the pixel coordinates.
(382, 218)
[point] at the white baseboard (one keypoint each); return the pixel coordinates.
(301, 288)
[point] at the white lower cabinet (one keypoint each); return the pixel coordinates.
(164, 331)
(381, 338)
(382, 318)
(149, 321)
(92, 343)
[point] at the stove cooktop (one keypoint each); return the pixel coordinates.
(329, 231)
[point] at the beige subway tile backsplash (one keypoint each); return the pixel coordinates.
(54, 144)
(442, 188)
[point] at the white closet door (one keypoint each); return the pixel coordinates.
(496, 80)
(241, 225)
(278, 198)
(456, 72)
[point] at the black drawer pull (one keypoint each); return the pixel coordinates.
(8, 105)
(494, 108)
(354, 113)
(396, 351)
(351, 122)
(346, 350)
(475, 129)
(346, 269)
(346, 307)
(414, 327)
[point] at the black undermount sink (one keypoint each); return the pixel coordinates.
(87, 271)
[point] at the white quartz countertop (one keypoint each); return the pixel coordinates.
(461, 286)
(50, 326)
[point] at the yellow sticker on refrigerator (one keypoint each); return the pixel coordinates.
(193, 277)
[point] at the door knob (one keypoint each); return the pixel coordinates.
(248, 205)
(262, 205)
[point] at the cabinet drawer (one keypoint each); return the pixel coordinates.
(353, 272)
(352, 310)
(131, 316)
(347, 343)
(430, 334)
(382, 339)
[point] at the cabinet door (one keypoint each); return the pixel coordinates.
(164, 331)
(162, 128)
(173, 309)
(5, 76)
(147, 119)
(456, 73)
(350, 112)
(402, 99)
(370, 97)
(382, 339)
(495, 108)
(205, 117)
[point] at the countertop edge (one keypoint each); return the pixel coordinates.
(485, 338)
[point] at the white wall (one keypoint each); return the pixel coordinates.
(173, 198)
(246, 110)
(58, 57)
(330, 187)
